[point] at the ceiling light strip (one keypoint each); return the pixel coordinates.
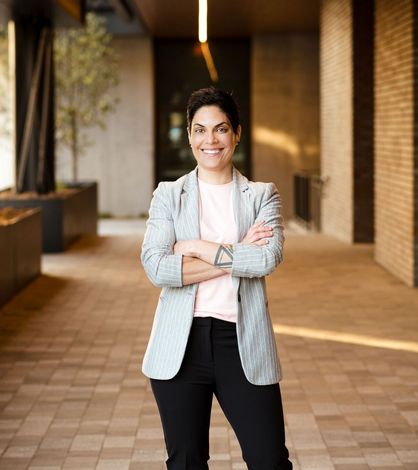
(209, 62)
(203, 21)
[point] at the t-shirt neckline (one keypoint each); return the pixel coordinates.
(212, 185)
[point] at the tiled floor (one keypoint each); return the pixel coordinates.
(72, 396)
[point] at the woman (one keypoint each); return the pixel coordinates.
(212, 236)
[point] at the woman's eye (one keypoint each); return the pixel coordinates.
(198, 130)
(222, 129)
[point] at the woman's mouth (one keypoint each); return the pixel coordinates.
(212, 152)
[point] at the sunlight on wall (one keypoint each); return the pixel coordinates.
(7, 80)
(6, 164)
(277, 139)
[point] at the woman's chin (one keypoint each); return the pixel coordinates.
(214, 164)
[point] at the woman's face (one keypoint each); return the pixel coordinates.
(212, 138)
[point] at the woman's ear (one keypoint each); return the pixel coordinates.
(238, 133)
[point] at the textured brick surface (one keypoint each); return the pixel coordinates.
(395, 141)
(336, 84)
(369, 151)
(72, 397)
(347, 118)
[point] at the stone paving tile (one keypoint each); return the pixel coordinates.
(72, 396)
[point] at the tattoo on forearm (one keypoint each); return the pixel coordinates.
(224, 256)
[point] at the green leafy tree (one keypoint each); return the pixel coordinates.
(86, 70)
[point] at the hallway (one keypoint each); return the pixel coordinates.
(71, 395)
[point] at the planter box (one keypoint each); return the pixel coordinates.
(65, 216)
(20, 252)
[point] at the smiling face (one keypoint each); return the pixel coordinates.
(213, 139)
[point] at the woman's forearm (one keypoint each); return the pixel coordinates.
(217, 255)
(195, 270)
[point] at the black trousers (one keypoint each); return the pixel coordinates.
(212, 365)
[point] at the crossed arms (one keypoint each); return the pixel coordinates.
(168, 262)
(203, 260)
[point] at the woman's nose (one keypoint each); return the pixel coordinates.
(211, 137)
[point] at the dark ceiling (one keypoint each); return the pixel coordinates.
(228, 18)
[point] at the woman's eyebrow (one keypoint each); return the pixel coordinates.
(223, 123)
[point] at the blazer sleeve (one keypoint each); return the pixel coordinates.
(259, 261)
(163, 268)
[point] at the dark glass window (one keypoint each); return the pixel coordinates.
(180, 69)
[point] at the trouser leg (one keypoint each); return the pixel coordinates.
(254, 411)
(185, 415)
(185, 401)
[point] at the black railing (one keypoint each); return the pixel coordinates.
(307, 198)
(302, 197)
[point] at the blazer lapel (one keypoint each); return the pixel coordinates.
(240, 203)
(242, 218)
(190, 207)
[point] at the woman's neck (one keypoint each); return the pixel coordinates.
(215, 177)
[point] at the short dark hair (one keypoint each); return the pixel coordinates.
(212, 96)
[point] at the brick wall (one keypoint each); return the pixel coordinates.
(346, 56)
(395, 145)
(285, 109)
(336, 118)
(415, 163)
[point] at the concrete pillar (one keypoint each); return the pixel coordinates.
(285, 109)
(28, 33)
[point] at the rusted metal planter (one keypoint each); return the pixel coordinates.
(66, 216)
(20, 251)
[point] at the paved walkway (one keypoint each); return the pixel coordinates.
(71, 395)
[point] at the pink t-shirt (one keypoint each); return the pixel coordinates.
(215, 297)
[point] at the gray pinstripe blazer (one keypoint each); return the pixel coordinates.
(174, 215)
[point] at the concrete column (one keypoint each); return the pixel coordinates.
(285, 109)
(28, 32)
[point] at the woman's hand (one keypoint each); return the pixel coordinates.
(257, 233)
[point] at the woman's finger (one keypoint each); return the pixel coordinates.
(256, 232)
(254, 227)
(264, 229)
(260, 242)
(258, 223)
(264, 233)
(259, 235)
(257, 229)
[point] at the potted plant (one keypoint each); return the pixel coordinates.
(86, 71)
